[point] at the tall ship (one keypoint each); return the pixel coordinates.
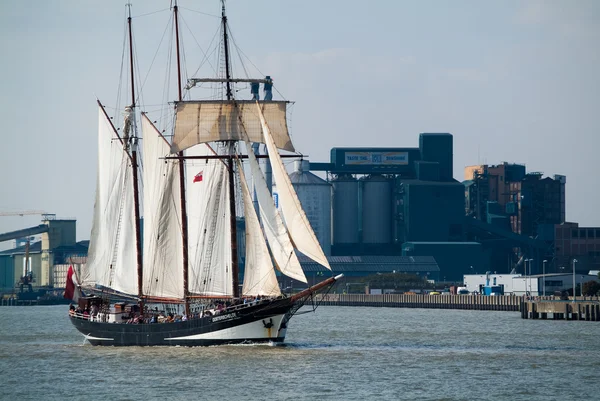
(175, 279)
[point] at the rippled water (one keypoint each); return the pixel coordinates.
(336, 353)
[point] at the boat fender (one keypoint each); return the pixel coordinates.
(269, 324)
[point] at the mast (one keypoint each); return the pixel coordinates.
(134, 163)
(232, 218)
(226, 49)
(184, 226)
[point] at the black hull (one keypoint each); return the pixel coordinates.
(250, 324)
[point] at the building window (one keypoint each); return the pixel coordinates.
(590, 233)
(575, 234)
(554, 283)
(582, 233)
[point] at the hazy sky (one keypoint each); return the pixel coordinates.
(514, 81)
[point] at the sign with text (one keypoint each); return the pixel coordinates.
(376, 158)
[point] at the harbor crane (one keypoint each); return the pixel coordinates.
(45, 215)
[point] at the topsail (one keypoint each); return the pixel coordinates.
(210, 121)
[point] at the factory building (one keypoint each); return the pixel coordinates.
(56, 246)
(455, 257)
(539, 201)
(526, 199)
(534, 285)
(314, 194)
(569, 242)
(360, 266)
(382, 198)
(512, 213)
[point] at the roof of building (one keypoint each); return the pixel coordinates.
(36, 247)
(305, 177)
(441, 243)
(373, 264)
(432, 183)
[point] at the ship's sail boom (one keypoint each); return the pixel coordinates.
(210, 121)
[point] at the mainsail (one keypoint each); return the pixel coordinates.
(112, 254)
(279, 241)
(209, 121)
(259, 276)
(162, 266)
(296, 221)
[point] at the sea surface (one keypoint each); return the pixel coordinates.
(336, 353)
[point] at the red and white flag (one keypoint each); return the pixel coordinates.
(198, 177)
(72, 290)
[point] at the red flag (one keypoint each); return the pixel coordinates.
(198, 177)
(72, 290)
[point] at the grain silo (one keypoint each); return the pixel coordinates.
(376, 210)
(314, 194)
(345, 211)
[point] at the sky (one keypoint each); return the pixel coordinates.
(513, 81)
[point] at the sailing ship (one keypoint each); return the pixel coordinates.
(187, 259)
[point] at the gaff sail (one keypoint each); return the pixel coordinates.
(209, 230)
(112, 252)
(162, 265)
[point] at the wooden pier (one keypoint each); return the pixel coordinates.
(473, 302)
(587, 309)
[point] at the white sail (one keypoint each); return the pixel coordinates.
(112, 253)
(296, 221)
(277, 236)
(209, 230)
(207, 121)
(259, 276)
(163, 265)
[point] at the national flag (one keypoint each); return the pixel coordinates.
(72, 290)
(198, 177)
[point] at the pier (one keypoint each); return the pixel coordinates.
(509, 303)
(587, 309)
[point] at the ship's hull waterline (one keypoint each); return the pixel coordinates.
(265, 323)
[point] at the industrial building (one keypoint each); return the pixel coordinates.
(569, 241)
(527, 199)
(533, 285)
(360, 266)
(57, 246)
(382, 198)
(520, 210)
(383, 210)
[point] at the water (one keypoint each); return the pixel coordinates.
(337, 353)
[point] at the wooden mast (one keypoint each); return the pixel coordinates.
(184, 226)
(230, 165)
(134, 164)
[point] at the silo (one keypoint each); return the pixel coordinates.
(345, 211)
(376, 210)
(314, 194)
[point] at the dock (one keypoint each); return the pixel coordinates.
(587, 309)
(510, 303)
